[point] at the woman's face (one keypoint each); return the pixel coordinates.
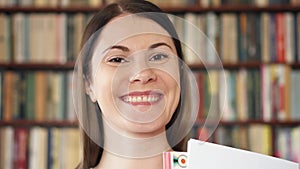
(135, 76)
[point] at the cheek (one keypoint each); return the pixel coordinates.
(173, 93)
(107, 84)
(102, 88)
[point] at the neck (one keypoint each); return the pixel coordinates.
(121, 151)
(134, 147)
(112, 161)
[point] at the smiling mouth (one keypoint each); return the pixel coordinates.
(142, 98)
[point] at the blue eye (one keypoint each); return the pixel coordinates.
(158, 57)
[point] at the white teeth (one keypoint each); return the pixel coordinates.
(133, 99)
(144, 98)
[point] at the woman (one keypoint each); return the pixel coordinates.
(130, 86)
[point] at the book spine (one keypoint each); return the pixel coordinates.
(280, 23)
(20, 148)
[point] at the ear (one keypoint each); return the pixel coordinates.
(89, 91)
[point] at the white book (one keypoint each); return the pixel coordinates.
(38, 148)
(8, 148)
(290, 37)
(212, 29)
(19, 37)
(192, 36)
(213, 156)
(266, 93)
(61, 39)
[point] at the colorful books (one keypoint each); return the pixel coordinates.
(39, 95)
(39, 147)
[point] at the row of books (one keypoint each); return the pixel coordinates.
(52, 3)
(216, 3)
(36, 95)
(257, 138)
(269, 93)
(287, 143)
(241, 37)
(45, 38)
(38, 147)
(236, 37)
(95, 3)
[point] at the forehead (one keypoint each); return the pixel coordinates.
(144, 41)
(130, 25)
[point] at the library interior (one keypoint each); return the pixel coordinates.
(257, 41)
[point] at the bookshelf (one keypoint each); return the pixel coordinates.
(37, 66)
(168, 9)
(274, 129)
(33, 123)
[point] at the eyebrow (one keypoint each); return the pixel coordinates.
(159, 44)
(123, 48)
(126, 49)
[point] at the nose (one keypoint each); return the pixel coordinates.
(144, 76)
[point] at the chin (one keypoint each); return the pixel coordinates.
(149, 129)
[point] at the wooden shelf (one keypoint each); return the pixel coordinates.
(225, 66)
(70, 66)
(73, 9)
(169, 9)
(233, 8)
(64, 123)
(249, 65)
(251, 122)
(37, 66)
(32, 123)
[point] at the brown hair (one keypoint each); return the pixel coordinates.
(91, 151)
